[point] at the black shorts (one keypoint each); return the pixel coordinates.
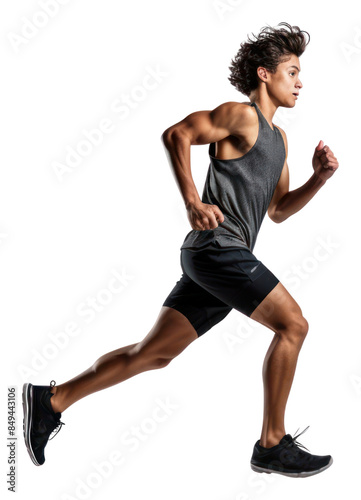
(215, 281)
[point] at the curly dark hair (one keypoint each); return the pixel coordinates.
(271, 47)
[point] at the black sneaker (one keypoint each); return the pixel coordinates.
(288, 459)
(40, 420)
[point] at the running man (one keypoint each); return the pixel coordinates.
(247, 177)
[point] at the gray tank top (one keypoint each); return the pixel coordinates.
(242, 188)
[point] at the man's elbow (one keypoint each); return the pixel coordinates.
(172, 136)
(169, 134)
(164, 137)
(277, 216)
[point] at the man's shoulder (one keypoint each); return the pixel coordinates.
(236, 107)
(238, 115)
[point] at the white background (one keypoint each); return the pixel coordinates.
(120, 209)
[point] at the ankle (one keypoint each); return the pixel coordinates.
(271, 439)
(55, 400)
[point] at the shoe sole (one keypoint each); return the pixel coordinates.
(27, 411)
(256, 468)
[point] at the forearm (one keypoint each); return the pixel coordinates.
(178, 151)
(294, 200)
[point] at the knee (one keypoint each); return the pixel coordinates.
(302, 327)
(159, 362)
(296, 328)
(149, 359)
(156, 362)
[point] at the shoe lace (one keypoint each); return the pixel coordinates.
(296, 443)
(59, 423)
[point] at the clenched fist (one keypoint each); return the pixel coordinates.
(324, 161)
(204, 216)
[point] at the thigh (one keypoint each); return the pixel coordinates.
(234, 276)
(170, 335)
(202, 309)
(277, 310)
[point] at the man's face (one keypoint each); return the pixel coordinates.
(283, 84)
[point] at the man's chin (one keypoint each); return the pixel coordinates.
(289, 105)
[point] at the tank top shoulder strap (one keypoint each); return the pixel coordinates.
(263, 122)
(262, 125)
(261, 118)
